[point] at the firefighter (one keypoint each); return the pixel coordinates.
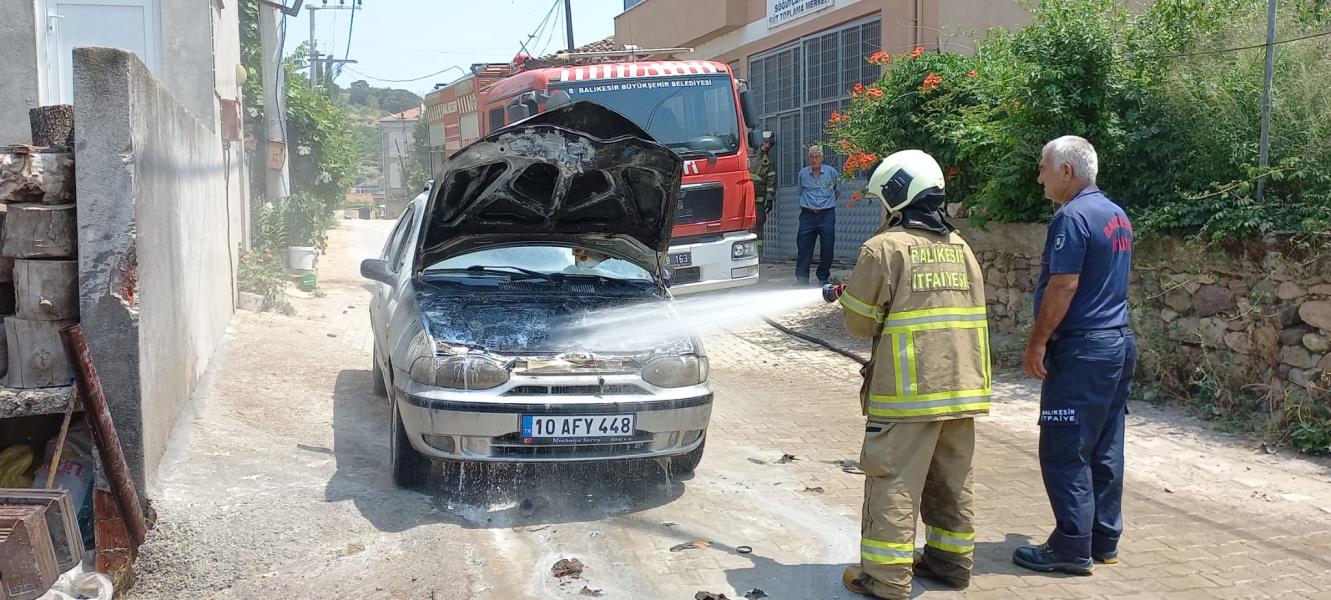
(917, 291)
(762, 170)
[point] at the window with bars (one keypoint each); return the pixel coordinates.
(799, 85)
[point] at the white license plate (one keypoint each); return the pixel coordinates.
(577, 429)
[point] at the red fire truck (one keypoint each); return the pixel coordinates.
(698, 110)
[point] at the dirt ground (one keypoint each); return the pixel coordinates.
(276, 485)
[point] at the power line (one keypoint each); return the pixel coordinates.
(1227, 50)
(403, 80)
(350, 30)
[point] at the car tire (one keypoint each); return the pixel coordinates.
(410, 468)
(684, 464)
(377, 374)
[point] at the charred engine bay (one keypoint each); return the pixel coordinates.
(549, 318)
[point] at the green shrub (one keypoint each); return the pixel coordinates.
(262, 272)
(1172, 112)
(306, 219)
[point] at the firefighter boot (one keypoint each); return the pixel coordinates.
(922, 570)
(856, 580)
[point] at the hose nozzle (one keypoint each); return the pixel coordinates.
(832, 292)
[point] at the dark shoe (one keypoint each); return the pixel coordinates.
(855, 581)
(1105, 558)
(1045, 560)
(922, 570)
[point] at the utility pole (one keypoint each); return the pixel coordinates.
(568, 21)
(315, 55)
(1264, 148)
(314, 51)
(276, 176)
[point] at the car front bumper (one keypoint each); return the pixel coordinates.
(486, 427)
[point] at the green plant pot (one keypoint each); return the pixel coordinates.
(308, 282)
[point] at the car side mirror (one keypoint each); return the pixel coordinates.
(755, 140)
(376, 270)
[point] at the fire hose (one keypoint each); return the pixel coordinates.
(831, 293)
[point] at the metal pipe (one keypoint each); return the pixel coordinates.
(1264, 147)
(103, 429)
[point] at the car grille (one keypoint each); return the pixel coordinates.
(575, 390)
(700, 205)
(685, 275)
(511, 446)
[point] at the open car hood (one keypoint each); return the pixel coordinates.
(580, 175)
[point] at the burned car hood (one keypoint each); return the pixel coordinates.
(527, 319)
(581, 174)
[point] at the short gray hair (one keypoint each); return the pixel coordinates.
(1075, 152)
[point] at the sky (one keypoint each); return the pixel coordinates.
(405, 39)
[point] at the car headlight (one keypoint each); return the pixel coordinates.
(457, 371)
(742, 250)
(676, 371)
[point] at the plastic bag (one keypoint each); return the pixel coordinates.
(78, 584)
(14, 464)
(75, 473)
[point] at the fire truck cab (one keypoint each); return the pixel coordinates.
(697, 109)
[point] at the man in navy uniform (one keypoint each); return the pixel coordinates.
(1084, 352)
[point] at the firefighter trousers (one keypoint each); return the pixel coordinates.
(916, 470)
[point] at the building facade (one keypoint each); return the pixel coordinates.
(800, 59)
(397, 133)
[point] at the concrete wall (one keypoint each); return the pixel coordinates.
(19, 90)
(961, 22)
(156, 240)
(226, 59)
(187, 57)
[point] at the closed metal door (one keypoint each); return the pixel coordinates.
(131, 25)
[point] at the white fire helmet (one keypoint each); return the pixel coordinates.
(904, 177)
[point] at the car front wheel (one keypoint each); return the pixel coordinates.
(410, 468)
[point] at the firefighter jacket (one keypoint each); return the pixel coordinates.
(920, 296)
(763, 174)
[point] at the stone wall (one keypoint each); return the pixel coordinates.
(1228, 324)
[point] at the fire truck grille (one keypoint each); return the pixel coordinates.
(699, 205)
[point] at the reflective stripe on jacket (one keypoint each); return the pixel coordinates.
(920, 296)
(763, 174)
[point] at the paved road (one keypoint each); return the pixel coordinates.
(277, 487)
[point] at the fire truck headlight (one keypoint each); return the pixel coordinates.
(743, 250)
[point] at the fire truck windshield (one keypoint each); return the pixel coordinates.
(693, 115)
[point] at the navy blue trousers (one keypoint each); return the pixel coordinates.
(1082, 407)
(817, 227)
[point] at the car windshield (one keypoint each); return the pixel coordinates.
(689, 114)
(544, 260)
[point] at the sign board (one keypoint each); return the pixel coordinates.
(780, 12)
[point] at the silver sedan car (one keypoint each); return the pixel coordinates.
(521, 312)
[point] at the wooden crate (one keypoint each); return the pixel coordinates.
(27, 560)
(62, 521)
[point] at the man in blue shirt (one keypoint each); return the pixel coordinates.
(818, 198)
(1084, 352)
